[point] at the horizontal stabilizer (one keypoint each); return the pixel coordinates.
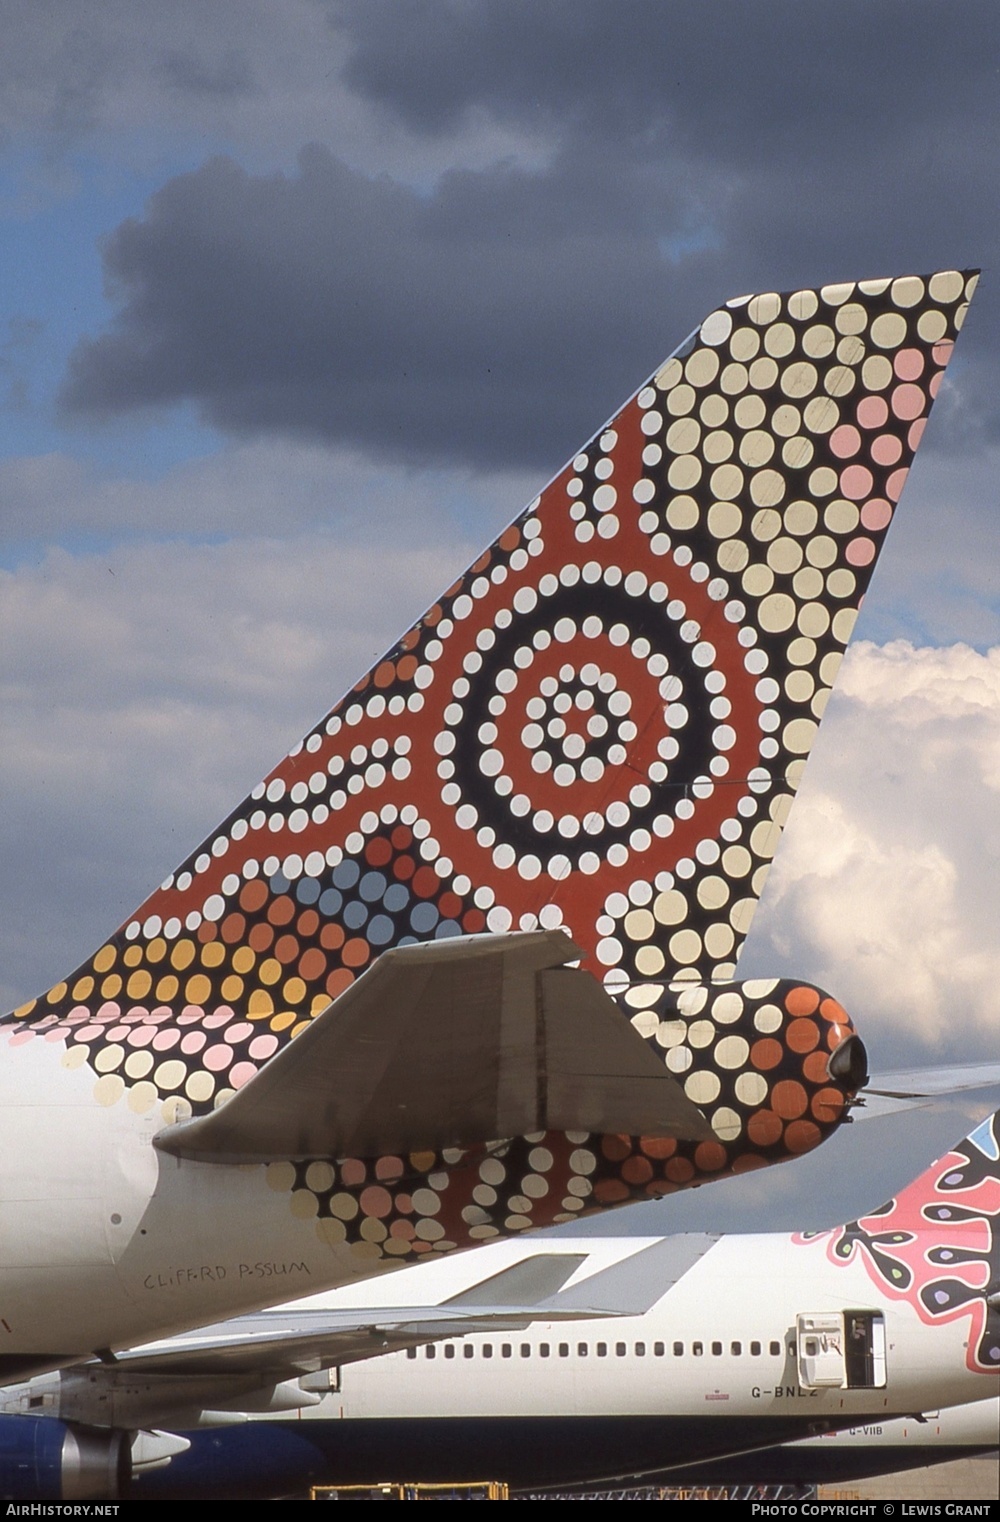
(454, 1043)
(524, 1283)
(915, 1088)
(634, 1285)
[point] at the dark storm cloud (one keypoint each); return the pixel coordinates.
(499, 314)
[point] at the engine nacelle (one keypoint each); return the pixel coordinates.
(46, 1460)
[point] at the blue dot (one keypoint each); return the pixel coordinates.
(423, 918)
(307, 891)
(396, 897)
(280, 883)
(381, 930)
(355, 914)
(346, 875)
(446, 929)
(372, 886)
(330, 902)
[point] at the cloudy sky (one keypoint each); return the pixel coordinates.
(305, 298)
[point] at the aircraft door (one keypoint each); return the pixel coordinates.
(841, 1350)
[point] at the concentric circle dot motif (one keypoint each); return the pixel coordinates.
(600, 725)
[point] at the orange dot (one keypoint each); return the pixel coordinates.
(510, 538)
(679, 1170)
(207, 931)
(332, 937)
(709, 1157)
(473, 921)
(450, 906)
(338, 981)
(766, 1054)
(637, 1170)
(378, 851)
(802, 1136)
(802, 1035)
(313, 965)
(254, 895)
(282, 911)
(375, 1201)
(389, 1168)
(260, 937)
(425, 882)
(356, 952)
(233, 927)
(407, 667)
(385, 674)
(401, 837)
(789, 1099)
(831, 1010)
(403, 868)
(286, 949)
(827, 1106)
(307, 924)
(764, 1128)
(352, 1172)
(611, 1190)
(403, 1231)
(749, 1163)
(802, 1001)
(482, 562)
(814, 1067)
(616, 1148)
(658, 1146)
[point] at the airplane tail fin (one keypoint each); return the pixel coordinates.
(601, 724)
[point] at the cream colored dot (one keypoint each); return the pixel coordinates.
(726, 482)
(731, 1052)
(763, 374)
(808, 583)
(779, 340)
(851, 318)
(819, 702)
(109, 1089)
(366, 1252)
(714, 410)
(540, 1159)
(669, 376)
(841, 516)
(959, 318)
(836, 295)
(649, 961)
(736, 861)
(491, 1171)
(724, 520)
(767, 487)
(907, 291)
(280, 1177)
(888, 330)
(851, 351)
(74, 1057)
(142, 1097)
(200, 1087)
(797, 453)
(932, 325)
(718, 446)
(802, 652)
(873, 287)
(684, 435)
(726, 1124)
(702, 1087)
(719, 942)
(876, 372)
(744, 344)
(223, 1096)
(764, 308)
(750, 411)
(764, 838)
(777, 612)
(582, 1161)
(320, 1177)
(713, 892)
(758, 580)
(751, 1088)
(701, 1034)
(680, 400)
(138, 1064)
(768, 1018)
(685, 947)
(727, 1008)
(756, 448)
(344, 1206)
(802, 305)
(733, 555)
(799, 686)
(645, 1023)
(682, 511)
(109, 1058)
(759, 988)
(331, 1231)
(839, 381)
(429, 1230)
(823, 481)
(829, 666)
(639, 925)
(822, 550)
(813, 620)
(766, 524)
(800, 518)
(841, 583)
(946, 285)
(818, 342)
(702, 368)
(786, 420)
(535, 1187)
(798, 736)
(760, 878)
(426, 1202)
(784, 556)
(684, 472)
(780, 807)
(734, 379)
(170, 1075)
(821, 414)
(303, 1205)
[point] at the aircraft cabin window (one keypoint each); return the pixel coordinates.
(736, 1348)
(581, 1349)
(775, 1349)
(716, 1349)
(602, 1350)
(755, 1350)
(487, 1350)
(543, 1350)
(697, 1348)
(449, 1350)
(640, 1350)
(658, 1350)
(432, 1351)
(505, 1350)
(620, 1350)
(468, 1351)
(564, 1350)
(525, 1349)
(411, 1352)
(678, 1350)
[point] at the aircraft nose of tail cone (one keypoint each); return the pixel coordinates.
(848, 1065)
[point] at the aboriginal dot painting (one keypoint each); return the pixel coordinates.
(937, 1244)
(600, 725)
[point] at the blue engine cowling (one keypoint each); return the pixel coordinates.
(42, 1459)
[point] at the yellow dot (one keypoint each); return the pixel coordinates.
(297, 1030)
(156, 950)
(105, 958)
(57, 994)
(261, 1005)
(166, 989)
(139, 984)
(198, 990)
(269, 971)
(182, 955)
(213, 954)
(25, 1009)
(294, 991)
(132, 956)
(282, 1021)
(232, 989)
(243, 959)
(83, 988)
(111, 987)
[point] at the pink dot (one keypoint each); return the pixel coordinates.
(141, 1035)
(159, 1015)
(76, 1015)
(118, 1033)
(190, 1014)
(872, 411)
(135, 1015)
(908, 402)
(22, 1037)
(896, 482)
(886, 449)
(876, 514)
(845, 441)
(375, 1201)
(165, 1039)
(860, 552)
(935, 384)
(241, 1074)
(218, 1058)
(89, 1032)
(909, 364)
(856, 482)
(109, 1011)
(56, 1035)
(217, 1018)
(941, 352)
(353, 1171)
(262, 1047)
(193, 1042)
(239, 1032)
(916, 432)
